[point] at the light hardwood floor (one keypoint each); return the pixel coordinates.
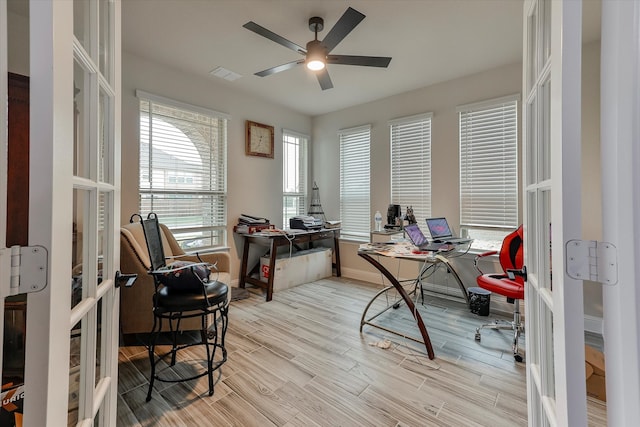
(300, 360)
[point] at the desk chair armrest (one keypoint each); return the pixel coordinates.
(482, 255)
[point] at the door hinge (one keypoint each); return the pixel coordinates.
(592, 260)
(27, 267)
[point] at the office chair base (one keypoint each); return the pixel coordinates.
(517, 328)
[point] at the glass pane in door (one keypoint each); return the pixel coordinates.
(545, 275)
(78, 256)
(102, 238)
(546, 362)
(106, 138)
(546, 30)
(75, 347)
(81, 130)
(99, 343)
(105, 12)
(532, 56)
(82, 22)
(544, 163)
(532, 152)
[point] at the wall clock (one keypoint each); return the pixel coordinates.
(259, 140)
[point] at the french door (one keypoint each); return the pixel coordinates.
(74, 174)
(556, 390)
(4, 145)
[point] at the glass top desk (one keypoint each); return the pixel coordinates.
(372, 254)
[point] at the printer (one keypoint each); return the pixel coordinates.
(304, 222)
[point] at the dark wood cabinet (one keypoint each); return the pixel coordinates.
(17, 222)
(18, 161)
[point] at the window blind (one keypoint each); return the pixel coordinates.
(488, 164)
(183, 170)
(355, 215)
(411, 164)
(294, 175)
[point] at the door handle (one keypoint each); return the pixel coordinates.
(125, 279)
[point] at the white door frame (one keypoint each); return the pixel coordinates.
(51, 215)
(620, 160)
(4, 143)
(566, 142)
(556, 391)
(50, 133)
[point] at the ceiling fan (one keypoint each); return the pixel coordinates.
(316, 54)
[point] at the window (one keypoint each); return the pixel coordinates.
(488, 170)
(411, 164)
(183, 169)
(355, 205)
(294, 175)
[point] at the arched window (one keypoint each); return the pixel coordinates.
(183, 169)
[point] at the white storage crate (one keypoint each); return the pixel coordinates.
(302, 267)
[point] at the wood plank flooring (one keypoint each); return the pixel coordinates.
(300, 360)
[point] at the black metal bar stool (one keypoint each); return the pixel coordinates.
(184, 290)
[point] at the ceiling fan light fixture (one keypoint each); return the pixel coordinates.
(315, 64)
(316, 56)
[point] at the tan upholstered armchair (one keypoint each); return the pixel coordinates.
(136, 302)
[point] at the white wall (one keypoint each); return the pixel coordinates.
(254, 184)
(18, 43)
(591, 170)
(442, 100)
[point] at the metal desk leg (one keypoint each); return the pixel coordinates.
(414, 312)
(245, 261)
(272, 269)
(455, 276)
(336, 249)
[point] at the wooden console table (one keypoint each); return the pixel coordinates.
(274, 241)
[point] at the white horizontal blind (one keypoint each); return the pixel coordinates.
(411, 164)
(183, 170)
(488, 164)
(355, 203)
(294, 175)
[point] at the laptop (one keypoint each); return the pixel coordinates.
(441, 232)
(419, 239)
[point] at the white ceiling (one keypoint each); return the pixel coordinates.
(430, 41)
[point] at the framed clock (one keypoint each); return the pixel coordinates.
(259, 141)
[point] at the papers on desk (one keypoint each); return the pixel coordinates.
(390, 249)
(397, 250)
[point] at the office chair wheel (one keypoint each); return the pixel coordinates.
(518, 358)
(478, 334)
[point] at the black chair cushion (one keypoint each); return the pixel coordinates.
(183, 275)
(171, 299)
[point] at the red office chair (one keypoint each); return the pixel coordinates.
(510, 284)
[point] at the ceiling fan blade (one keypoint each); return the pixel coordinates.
(366, 61)
(324, 79)
(279, 68)
(347, 22)
(260, 30)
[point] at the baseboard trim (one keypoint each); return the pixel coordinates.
(593, 324)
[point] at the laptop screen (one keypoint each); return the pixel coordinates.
(439, 228)
(415, 234)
